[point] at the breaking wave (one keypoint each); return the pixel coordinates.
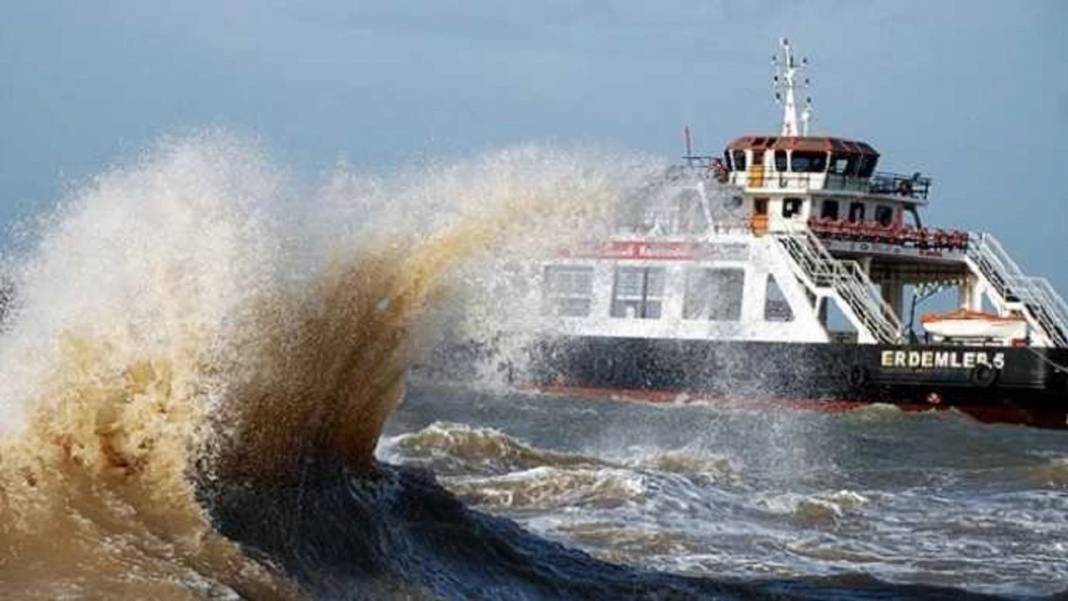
(200, 357)
(193, 320)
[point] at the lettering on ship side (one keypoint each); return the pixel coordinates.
(941, 359)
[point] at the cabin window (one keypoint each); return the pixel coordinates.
(714, 294)
(727, 160)
(867, 165)
(843, 164)
(829, 209)
(884, 215)
(856, 212)
(808, 162)
(776, 307)
(638, 292)
(567, 290)
(791, 207)
(780, 161)
(739, 160)
(758, 156)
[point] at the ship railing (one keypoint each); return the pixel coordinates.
(1035, 298)
(863, 289)
(1048, 308)
(847, 279)
(897, 184)
(901, 235)
(914, 186)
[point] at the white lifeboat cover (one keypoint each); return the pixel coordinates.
(974, 324)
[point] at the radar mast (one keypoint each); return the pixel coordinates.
(787, 81)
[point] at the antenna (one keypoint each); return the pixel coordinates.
(786, 83)
(689, 141)
(806, 116)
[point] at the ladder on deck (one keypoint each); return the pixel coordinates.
(1014, 292)
(845, 281)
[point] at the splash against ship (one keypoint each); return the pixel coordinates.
(180, 332)
(195, 376)
(728, 277)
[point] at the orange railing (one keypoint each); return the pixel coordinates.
(903, 235)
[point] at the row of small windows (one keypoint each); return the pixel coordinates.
(791, 207)
(807, 161)
(711, 294)
(884, 214)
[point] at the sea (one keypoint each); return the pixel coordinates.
(206, 392)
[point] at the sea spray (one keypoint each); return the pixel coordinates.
(190, 321)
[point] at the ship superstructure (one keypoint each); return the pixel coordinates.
(745, 267)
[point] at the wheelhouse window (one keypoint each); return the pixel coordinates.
(567, 290)
(829, 210)
(867, 165)
(714, 294)
(791, 207)
(638, 292)
(738, 160)
(776, 307)
(780, 161)
(804, 161)
(843, 164)
(884, 215)
(856, 212)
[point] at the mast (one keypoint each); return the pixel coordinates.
(787, 74)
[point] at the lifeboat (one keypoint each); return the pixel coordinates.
(963, 323)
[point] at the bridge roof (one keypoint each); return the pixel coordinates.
(810, 143)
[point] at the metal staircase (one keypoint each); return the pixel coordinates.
(1014, 292)
(845, 281)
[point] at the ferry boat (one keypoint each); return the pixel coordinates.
(778, 271)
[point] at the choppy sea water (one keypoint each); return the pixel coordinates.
(198, 357)
(728, 492)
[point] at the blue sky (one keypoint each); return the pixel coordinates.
(969, 92)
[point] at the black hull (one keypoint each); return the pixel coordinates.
(992, 383)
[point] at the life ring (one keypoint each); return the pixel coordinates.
(984, 375)
(857, 376)
(904, 187)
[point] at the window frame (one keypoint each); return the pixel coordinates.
(816, 159)
(772, 283)
(555, 297)
(792, 206)
(853, 211)
(649, 301)
(781, 161)
(739, 160)
(884, 210)
(829, 202)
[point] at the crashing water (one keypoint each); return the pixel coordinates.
(200, 358)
